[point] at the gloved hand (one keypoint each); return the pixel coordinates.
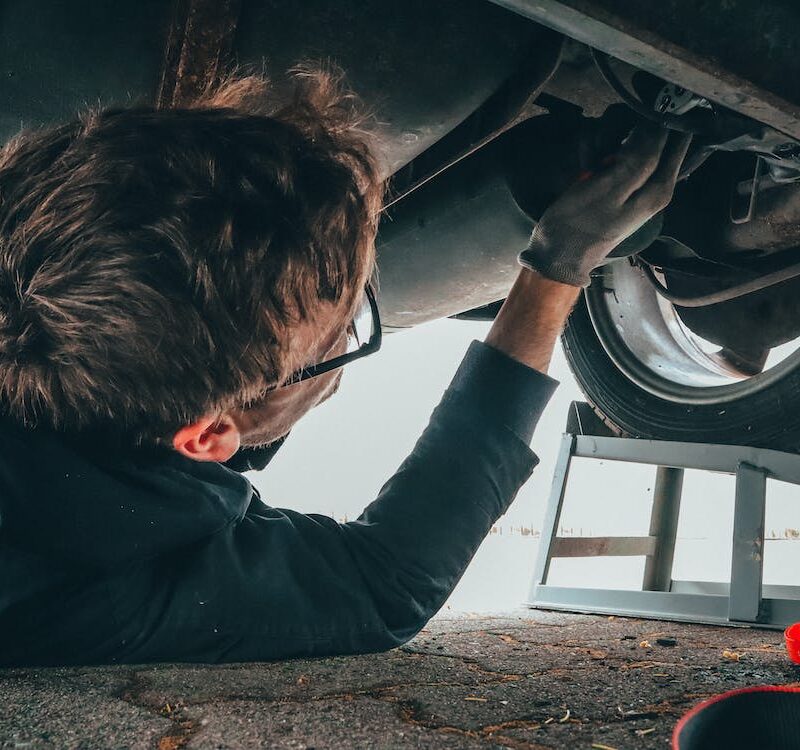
(578, 231)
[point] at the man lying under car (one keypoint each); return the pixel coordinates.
(177, 289)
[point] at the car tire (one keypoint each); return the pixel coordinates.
(768, 417)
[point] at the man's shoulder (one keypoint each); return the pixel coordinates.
(67, 497)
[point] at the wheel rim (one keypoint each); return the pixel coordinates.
(641, 332)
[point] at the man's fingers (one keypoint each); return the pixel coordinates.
(636, 162)
(657, 192)
(672, 159)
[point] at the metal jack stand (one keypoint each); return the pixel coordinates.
(743, 601)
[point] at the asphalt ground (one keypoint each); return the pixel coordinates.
(527, 680)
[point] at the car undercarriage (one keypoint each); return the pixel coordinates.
(485, 113)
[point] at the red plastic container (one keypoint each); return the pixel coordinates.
(792, 636)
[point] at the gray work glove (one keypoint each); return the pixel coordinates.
(579, 230)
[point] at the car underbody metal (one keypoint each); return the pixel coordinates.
(747, 217)
(654, 112)
(736, 53)
(509, 106)
(757, 321)
(773, 222)
(733, 276)
(578, 81)
(198, 49)
(422, 68)
(715, 128)
(452, 245)
(57, 57)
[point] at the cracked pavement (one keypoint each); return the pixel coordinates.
(528, 680)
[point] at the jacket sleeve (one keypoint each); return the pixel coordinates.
(277, 583)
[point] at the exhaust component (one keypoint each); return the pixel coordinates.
(452, 245)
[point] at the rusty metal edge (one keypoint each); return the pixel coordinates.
(172, 54)
(596, 27)
(199, 47)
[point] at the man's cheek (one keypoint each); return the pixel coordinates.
(333, 388)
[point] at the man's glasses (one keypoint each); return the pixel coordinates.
(363, 338)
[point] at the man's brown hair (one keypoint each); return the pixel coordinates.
(153, 263)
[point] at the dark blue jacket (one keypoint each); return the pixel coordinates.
(143, 556)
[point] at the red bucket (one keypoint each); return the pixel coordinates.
(792, 636)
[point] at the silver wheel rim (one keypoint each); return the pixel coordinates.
(641, 332)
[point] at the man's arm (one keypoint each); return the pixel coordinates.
(576, 234)
(532, 318)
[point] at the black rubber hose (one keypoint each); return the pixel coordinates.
(722, 295)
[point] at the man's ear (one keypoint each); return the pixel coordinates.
(208, 439)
